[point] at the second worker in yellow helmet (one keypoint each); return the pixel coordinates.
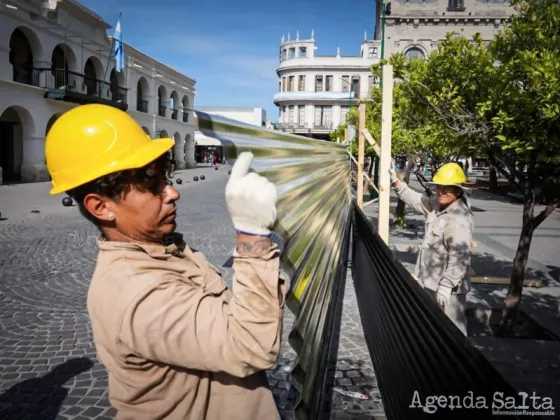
(443, 264)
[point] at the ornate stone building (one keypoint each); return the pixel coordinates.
(415, 27)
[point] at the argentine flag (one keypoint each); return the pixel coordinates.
(119, 48)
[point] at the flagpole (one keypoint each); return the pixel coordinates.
(111, 52)
(125, 68)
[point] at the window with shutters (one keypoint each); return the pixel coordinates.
(318, 115)
(291, 114)
(343, 114)
(372, 53)
(301, 83)
(355, 86)
(318, 83)
(301, 115)
(346, 83)
(323, 116)
(291, 84)
(327, 116)
(328, 84)
(457, 5)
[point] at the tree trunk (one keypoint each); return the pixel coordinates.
(493, 179)
(513, 298)
(369, 171)
(399, 212)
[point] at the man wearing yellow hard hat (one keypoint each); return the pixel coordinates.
(443, 264)
(177, 343)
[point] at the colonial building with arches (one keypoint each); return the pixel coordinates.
(55, 58)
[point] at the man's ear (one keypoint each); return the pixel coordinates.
(98, 207)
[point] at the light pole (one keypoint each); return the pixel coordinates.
(385, 11)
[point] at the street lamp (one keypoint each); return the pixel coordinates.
(385, 11)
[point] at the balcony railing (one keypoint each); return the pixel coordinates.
(119, 95)
(292, 126)
(27, 75)
(310, 95)
(322, 125)
(162, 110)
(174, 113)
(65, 82)
(142, 105)
(185, 117)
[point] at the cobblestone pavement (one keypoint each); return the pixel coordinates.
(48, 367)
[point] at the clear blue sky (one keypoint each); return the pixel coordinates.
(231, 47)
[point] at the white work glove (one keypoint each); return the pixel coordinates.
(251, 198)
(393, 173)
(443, 294)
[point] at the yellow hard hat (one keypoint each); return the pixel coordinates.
(94, 140)
(449, 174)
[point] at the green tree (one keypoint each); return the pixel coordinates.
(415, 133)
(524, 115)
(501, 100)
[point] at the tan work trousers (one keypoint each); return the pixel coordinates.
(455, 309)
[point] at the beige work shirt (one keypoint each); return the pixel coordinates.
(177, 343)
(444, 259)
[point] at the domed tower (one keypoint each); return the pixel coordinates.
(297, 48)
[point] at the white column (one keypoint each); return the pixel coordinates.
(6, 69)
(336, 116)
(364, 85)
(46, 78)
(189, 154)
(180, 153)
(310, 115)
(165, 103)
(153, 106)
(131, 93)
(33, 167)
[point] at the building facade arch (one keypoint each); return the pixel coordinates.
(66, 61)
(174, 105)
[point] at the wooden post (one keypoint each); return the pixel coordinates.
(385, 158)
(361, 152)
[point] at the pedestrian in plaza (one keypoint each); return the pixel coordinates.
(176, 342)
(443, 264)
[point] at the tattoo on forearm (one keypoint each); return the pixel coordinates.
(260, 246)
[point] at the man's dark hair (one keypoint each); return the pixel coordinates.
(117, 184)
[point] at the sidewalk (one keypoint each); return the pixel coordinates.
(528, 364)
